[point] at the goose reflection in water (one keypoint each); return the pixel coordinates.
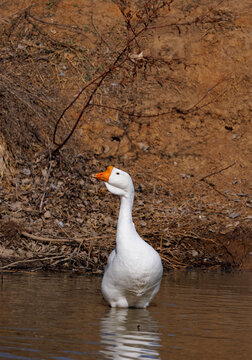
(129, 334)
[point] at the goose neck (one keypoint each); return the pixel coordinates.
(125, 214)
(125, 227)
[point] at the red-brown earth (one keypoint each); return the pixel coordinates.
(170, 103)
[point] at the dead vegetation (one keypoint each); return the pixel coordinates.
(80, 88)
(75, 228)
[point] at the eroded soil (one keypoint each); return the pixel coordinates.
(171, 104)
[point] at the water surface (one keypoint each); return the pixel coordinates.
(195, 316)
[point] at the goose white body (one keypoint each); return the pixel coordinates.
(134, 270)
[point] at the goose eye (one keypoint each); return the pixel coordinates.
(117, 173)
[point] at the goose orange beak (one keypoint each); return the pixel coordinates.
(104, 176)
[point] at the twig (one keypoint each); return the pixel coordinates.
(60, 260)
(186, 23)
(22, 97)
(218, 171)
(30, 260)
(136, 115)
(89, 254)
(45, 184)
(62, 240)
(173, 262)
(215, 173)
(127, 20)
(62, 26)
(174, 109)
(47, 239)
(195, 106)
(215, 189)
(94, 26)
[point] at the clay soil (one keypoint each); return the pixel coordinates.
(160, 89)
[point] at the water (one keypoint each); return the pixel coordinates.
(195, 316)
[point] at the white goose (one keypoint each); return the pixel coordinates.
(134, 270)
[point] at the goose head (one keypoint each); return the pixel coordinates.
(117, 181)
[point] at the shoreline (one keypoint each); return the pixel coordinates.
(34, 253)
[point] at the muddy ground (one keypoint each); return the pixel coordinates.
(161, 89)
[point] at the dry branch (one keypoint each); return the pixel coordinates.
(145, 17)
(99, 79)
(63, 240)
(215, 173)
(47, 239)
(25, 261)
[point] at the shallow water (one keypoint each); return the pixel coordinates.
(196, 315)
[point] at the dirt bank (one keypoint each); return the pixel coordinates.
(161, 89)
